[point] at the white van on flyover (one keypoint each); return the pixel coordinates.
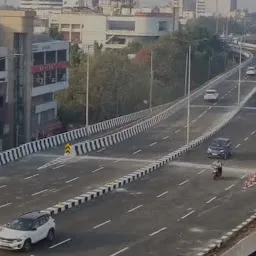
(211, 95)
(251, 71)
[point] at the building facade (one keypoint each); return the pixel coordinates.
(42, 7)
(49, 74)
(16, 29)
(114, 32)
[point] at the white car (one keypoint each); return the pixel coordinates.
(211, 95)
(251, 71)
(26, 230)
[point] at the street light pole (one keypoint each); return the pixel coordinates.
(188, 99)
(239, 76)
(87, 90)
(151, 80)
(186, 76)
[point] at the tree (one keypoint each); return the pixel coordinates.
(97, 48)
(55, 34)
(77, 55)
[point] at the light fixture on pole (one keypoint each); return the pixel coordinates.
(186, 76)
(87, 89)
(151, 80)
(239, 73)
(188, 98)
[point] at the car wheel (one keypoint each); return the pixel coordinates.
(27, 246)
(51, 235)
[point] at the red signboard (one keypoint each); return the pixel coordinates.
(48, 67)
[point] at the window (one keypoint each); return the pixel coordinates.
(38, 79)
(50, 57)
(162, 26)
(62, 55)
(65, 25)
(47, 115)
(47, 97)
(51, 77)
(2, 64)
(61, 74)
(1, 101)
(75, 26)
(21, 224)
(38, 58)
(121, 25)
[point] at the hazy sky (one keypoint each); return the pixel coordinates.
(250, 4)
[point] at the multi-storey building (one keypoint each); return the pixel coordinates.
(49, 75)
(114, 32)
(42, 7)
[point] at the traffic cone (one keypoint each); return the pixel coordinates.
(246, 185)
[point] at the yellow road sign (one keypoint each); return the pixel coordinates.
(67, 148)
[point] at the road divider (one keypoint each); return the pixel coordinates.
(53, 141)
(147, 169)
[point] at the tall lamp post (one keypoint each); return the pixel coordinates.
(239, 74)
(87, 89)
(151, 80)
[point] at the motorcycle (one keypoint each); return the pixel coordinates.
(217, 172)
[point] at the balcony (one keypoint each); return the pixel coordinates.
(50, 88)
(46, 106)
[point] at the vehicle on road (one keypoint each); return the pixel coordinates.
(217, 169)
(220, 147)
(251, 71)
(211, 95)
(28, 229)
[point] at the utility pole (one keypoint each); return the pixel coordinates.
(151, 80)
(239, 76)
(87, 89)
(188, 101)
(217, 16)
(186, 76)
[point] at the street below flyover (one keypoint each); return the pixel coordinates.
(176, 210)
(25, 188)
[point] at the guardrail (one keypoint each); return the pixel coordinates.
(109, 140)
(53, 141)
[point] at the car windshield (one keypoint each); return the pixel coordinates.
(251, 68)
(218, 143)
(20, 224)
(210, 92)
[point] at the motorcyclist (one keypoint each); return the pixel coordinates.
(218, 165)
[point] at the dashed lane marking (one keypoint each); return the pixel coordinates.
(57, 167)
(185, 216)
(184, 182)
(177, 131)
(118, 252)
(152, 144)
(229, 187)
(158, 231)
(40, 192)
(135, 208)
(238, 145)
(4, 205)
(136, 152)
(68, 181)
(166, 137)
(246, 139)
(32, 176)
(209, 201)
(60, 243)
(162, 194)
(102, 224)
(98, 169)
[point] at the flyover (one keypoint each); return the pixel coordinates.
(24, 189)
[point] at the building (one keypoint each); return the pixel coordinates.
(49, 74)
(114, 32)
(189, 5)
(215, 7)
(178, 4)
(16, 29)
(73, 3)
(3, 95)
(42, 7)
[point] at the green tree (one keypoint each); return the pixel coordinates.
(55, 34)
(77, 55)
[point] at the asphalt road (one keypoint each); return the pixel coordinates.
(26, 188)
(177, 210)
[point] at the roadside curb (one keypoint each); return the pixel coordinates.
(225, 238)
(145, 170)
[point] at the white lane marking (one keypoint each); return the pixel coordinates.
(158, 231)
(96, 170)
(162, 194)
(238, 145)
(135, 208)
(116, 253)
(2, 186)
(246, 139)
(185, 216)
(60, 243)
(40, 192)
(57, 167)
(210, 108)
(101, 150)
(243, 176)
(177, 131)
(4, 205)
(205, 112)
(230, 187)
(136, 152)
(253, 132)
(32, 176)
(68, 181)
(201, 171)
(117, 161)
(184, 182)
(200, 116)
(102, 224)
(166, 137)
(152, 144)
(211, 199)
